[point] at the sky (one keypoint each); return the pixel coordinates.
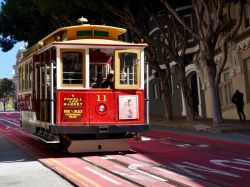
(7, 60)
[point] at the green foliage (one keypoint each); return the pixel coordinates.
(6, 92)
(6, 89)
(31, 20)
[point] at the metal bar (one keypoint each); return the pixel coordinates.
(147, 94)
(51, 93)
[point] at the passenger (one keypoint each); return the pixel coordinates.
(99, 80)
(108, 83)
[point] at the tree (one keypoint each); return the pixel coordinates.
(129, 14)
(216, 29)
(31, 20)
(19, 22)
(6, 91)
(171, 41)
(135, 17)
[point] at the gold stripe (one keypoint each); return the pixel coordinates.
(71, 171)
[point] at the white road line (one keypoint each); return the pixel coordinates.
(10, 122)
(102, 176)
(143, 138)
(135, 168)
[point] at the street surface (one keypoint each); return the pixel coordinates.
(161, 158)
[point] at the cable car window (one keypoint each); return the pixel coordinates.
(127, 62)
(96, 70)
(20, 77)
(30, 73)
(128, 68)
(26, 76)
(72, 68)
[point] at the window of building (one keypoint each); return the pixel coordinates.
(155, 91)
(225, 89)
(189, 22)
(160, 90)
(248, 72)
(161, 12)
(247, 75)
(247, 16)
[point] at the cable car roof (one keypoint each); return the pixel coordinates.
(100, 42)
(84, 31)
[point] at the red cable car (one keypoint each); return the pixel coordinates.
(84, 88)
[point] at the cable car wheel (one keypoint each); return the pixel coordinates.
(65, 142)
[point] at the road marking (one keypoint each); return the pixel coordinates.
(202, 145)
(17, 124)
(143, 138)
(102, 176)
(135, 168)
(71, 171)
(184, 145)
(189, 168)
(226, 163)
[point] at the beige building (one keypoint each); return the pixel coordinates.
(235, 75)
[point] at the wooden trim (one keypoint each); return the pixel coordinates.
(117, 70)
(83, 85)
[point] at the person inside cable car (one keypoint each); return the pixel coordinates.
(108, 83)
(99, 80)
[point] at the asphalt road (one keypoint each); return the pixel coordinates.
(164, 157)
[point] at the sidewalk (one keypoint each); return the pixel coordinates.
(17, 168)
(203, 124)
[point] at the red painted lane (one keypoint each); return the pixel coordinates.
(158, 170)
(76, 170)
(224, 169)
(83, 173)
(11, 115)
(216, 143)
(205, 147)
(130, 173)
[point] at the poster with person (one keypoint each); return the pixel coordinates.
(128, 107)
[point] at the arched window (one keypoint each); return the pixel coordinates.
(247, 16)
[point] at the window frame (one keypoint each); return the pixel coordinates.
(106, 65)
(224, 88)
(117, 69)
(246, 16)
(83, 52)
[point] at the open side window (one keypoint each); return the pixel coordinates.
(127, 69)
(72, 63)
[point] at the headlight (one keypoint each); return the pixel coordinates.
(102, 108)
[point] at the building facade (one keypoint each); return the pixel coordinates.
(235, 75)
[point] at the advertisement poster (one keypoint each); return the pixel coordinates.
(128, 107)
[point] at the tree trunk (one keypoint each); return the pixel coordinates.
(187, 95)
(215, 98)
(168, 115)
(4, 105)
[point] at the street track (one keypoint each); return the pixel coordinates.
(102, 165)
(132, 168)
(209, 146)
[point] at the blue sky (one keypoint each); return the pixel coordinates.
(7, 60)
